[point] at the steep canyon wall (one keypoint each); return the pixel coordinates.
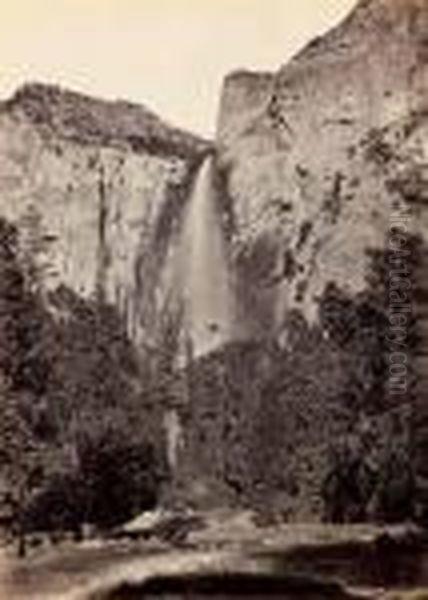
(97, 191)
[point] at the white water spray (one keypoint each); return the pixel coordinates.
(204, 269)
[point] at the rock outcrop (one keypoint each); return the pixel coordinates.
(321, 160)
(312, 154)
(96, 189)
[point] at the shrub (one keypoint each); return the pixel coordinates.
(348, 486)
(396, 490)
(113, 476)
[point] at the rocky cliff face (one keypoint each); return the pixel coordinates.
(96, 189)
(311, 153)
(320, 160)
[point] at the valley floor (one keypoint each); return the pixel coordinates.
(307, 562)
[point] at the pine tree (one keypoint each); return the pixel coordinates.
(20, 456)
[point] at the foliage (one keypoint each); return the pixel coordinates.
(74, 446)
(104, 477)
(358, 327)
(357, 489)
(396, 489)
(349, 484)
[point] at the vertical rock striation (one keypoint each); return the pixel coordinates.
(310, 153)
(320, 159)
(97, 190)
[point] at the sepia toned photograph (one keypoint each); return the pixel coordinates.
(213, 299)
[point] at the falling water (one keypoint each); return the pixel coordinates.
(199, 284)
(204, 270)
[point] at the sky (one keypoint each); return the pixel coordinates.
(170, 55)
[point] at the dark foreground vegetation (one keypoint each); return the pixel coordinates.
(307, 427)
(303, 427)
(74, 443)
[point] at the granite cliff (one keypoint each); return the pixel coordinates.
(312, 154)
(320, 160)
(97, 190)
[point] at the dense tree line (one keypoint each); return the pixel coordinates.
(74, 443)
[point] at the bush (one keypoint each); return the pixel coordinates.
(348, 486)
(113, 477)
(57, 505)
(396, 490)
(120, 478)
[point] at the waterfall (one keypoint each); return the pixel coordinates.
(204, 270)
(199, 282)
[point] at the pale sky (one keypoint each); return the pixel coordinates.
(170, 55)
